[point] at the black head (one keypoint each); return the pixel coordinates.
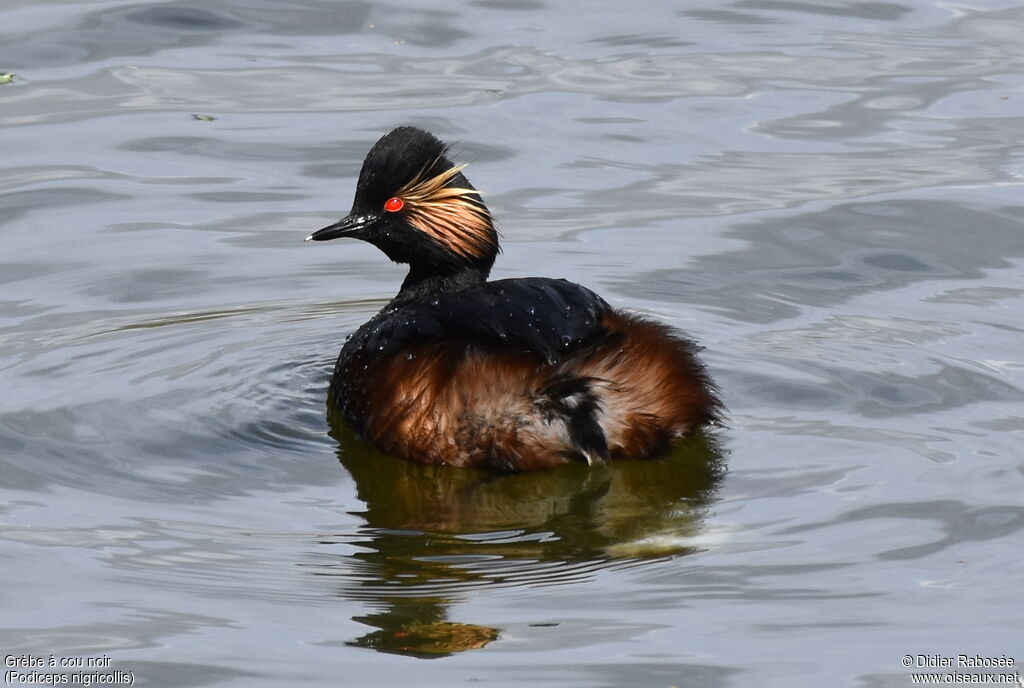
(416, 206)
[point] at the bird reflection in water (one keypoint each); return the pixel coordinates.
(433, 534)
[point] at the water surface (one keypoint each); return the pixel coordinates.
(826, 195)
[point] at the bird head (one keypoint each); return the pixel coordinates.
(416, 206)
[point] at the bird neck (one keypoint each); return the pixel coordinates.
(423, 283)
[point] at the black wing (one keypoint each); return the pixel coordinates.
(547, 316)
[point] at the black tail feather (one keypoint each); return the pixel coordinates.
(573, 401)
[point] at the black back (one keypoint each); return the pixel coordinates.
(549, 317)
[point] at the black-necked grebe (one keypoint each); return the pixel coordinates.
(508, 375)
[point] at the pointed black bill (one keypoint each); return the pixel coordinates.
(350, 226)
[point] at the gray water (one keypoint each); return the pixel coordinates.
(826, 195)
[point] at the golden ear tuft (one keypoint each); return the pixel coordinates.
(453, 216)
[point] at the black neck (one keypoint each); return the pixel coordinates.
(420, 284)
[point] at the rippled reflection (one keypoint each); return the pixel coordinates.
(434, 532)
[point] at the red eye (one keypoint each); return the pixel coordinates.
(394, 204)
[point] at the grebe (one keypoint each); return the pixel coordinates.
(507, 375)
